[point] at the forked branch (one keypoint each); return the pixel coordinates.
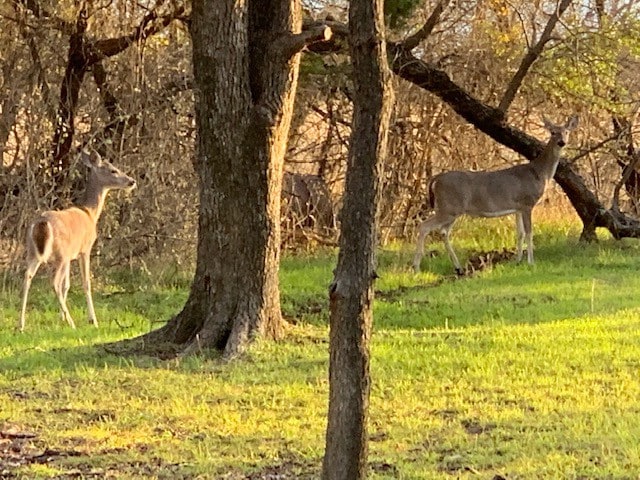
(414, 40)
(531, 56)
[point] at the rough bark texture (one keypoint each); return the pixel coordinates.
(351, 292)
(245, 87)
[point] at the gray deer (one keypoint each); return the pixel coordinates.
(493, 194)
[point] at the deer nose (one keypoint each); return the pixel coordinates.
(561, 143)
(132, 183)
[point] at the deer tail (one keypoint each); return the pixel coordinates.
(41, 239)
(431, 199)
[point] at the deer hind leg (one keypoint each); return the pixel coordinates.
(61, 287)
(85, 272)
(32, 268)
(430, 224)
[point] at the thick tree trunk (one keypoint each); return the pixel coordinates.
(245, 77)
(351, 292)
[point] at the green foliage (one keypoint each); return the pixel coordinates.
(592, 67)
(519, 371)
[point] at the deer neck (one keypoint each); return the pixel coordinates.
(547, 161)
(94, 198)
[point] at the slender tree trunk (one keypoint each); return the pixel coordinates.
(351, 292)
(245, 74)
(83, 53)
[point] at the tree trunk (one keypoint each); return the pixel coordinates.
(245, 77)
(351, 292)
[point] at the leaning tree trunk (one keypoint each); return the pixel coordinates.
(491, 121)
(245, 61)
(351, 292)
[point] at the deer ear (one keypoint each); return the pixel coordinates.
(90, 159)
(548, 125)
(572, 122)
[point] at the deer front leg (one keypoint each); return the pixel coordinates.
(528, 233)
(32, 268)
(423, 230)
(452, 254)
(61, 287)
(85, 273)
(520, 236)
(417, 257)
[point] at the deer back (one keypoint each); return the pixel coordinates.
(73, 232)
(487, 194)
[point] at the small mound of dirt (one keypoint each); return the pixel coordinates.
(479, 261)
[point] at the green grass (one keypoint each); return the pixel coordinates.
(529, 372)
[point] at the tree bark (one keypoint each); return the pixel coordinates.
(245, 59)
(351, 292)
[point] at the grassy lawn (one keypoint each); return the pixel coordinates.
(515, 372)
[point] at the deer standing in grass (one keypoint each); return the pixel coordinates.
(63, 235)
(493, 194)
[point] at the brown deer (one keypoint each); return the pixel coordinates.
(63, 235)
(493, 194)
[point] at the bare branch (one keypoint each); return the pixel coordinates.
(628, 170)
(592, 149)
(41, 79)
(531, 56)
(293, 43)
(414, 40)
(43, 15)
(337, 43)
(150, 25)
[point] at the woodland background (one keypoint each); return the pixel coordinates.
(118, 79)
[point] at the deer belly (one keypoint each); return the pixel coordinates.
(495, 213)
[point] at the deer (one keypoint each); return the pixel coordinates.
(59, 236)
(497, 193)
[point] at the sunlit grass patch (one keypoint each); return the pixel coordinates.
(522, 371)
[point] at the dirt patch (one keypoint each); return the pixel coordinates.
(475, 427)
(19, 448)
(479, 261)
